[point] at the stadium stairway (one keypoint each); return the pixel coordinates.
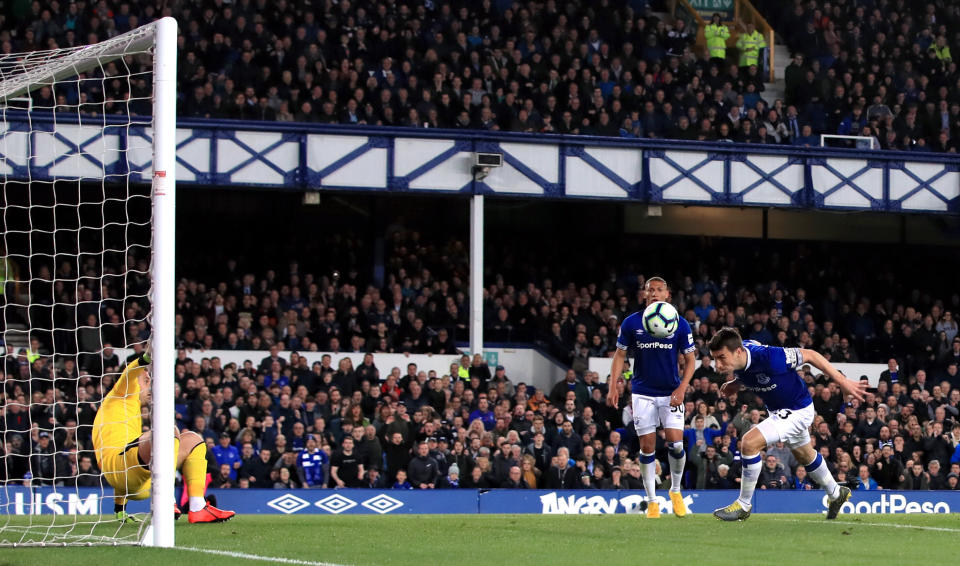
(777, 88)
(17, 335)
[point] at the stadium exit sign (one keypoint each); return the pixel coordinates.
(707, 8)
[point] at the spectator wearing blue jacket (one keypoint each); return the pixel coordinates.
(807, 138)
(853, 123)
(401, 482)
(801, 480)
(864, 481)
(227, 453)
(485, 415)
(955, 459)
(700, 437)
(313, 465)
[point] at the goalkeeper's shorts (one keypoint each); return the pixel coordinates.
(123, 470)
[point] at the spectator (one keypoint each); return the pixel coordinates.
(423, 469)
(707, 464)
(284, 480)
(561, 475)
(515, 479)
(772, 475)
(227, 454)
(256, 468)
(887, 471)
(531, 473)
(717, 35)
(483, 414)
(401, 481)
(699, 438)
(801, 481)
(346, 466)
(313, 465)
(452, 481)
(864, 480)
(916, 478)
(559, 392)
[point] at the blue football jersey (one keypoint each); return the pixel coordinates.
(313, 466)
(655, 371)
(771, 373)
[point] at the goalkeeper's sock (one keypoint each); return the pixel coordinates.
(678, 460)
(820, 473)
(748, 481)
(195, 476)
(648, 469)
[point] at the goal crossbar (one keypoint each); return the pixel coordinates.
(25, 72)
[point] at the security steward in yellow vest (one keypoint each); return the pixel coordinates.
(941, 50)
(750, 44)
(717, 35)
(463, 371)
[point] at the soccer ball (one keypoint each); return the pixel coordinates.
(660, 319)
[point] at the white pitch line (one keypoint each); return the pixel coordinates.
(856, 523)
(246, 556)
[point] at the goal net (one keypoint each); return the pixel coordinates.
(86, 209)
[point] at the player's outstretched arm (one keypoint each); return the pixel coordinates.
(616, 371)
(852, 388)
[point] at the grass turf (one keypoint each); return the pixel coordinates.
(538, 539)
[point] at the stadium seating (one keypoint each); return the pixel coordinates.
(610, 68)
(418, 309)
(572, 68)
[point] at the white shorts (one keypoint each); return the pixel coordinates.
(790, 426)
(649, 412)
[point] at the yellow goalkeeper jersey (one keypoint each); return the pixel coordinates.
(118, 421)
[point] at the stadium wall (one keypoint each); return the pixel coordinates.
(90, 501)
(319, 157)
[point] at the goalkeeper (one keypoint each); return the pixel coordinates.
(123, 449)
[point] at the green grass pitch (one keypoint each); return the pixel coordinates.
(529, 540)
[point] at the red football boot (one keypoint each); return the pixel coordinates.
(210, 514)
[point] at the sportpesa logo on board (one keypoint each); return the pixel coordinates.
(891, 504)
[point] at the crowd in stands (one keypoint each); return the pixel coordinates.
(602, 68)
(879, 69)
(277, 421)
(611, 68)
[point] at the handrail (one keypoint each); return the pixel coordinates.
(744, 12)
(687, 10)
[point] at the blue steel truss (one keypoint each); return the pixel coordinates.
(831, 178)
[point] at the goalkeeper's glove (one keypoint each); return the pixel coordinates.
(145, 356)
(127, 518)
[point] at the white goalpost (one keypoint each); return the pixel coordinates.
(859, 142)
(87, 206)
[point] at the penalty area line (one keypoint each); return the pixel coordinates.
(246, 556)
(865, 524)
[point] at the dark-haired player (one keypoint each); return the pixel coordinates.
(771, 373)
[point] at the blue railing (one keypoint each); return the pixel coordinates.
(302, 156)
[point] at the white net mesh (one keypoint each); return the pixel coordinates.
(74, 271)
